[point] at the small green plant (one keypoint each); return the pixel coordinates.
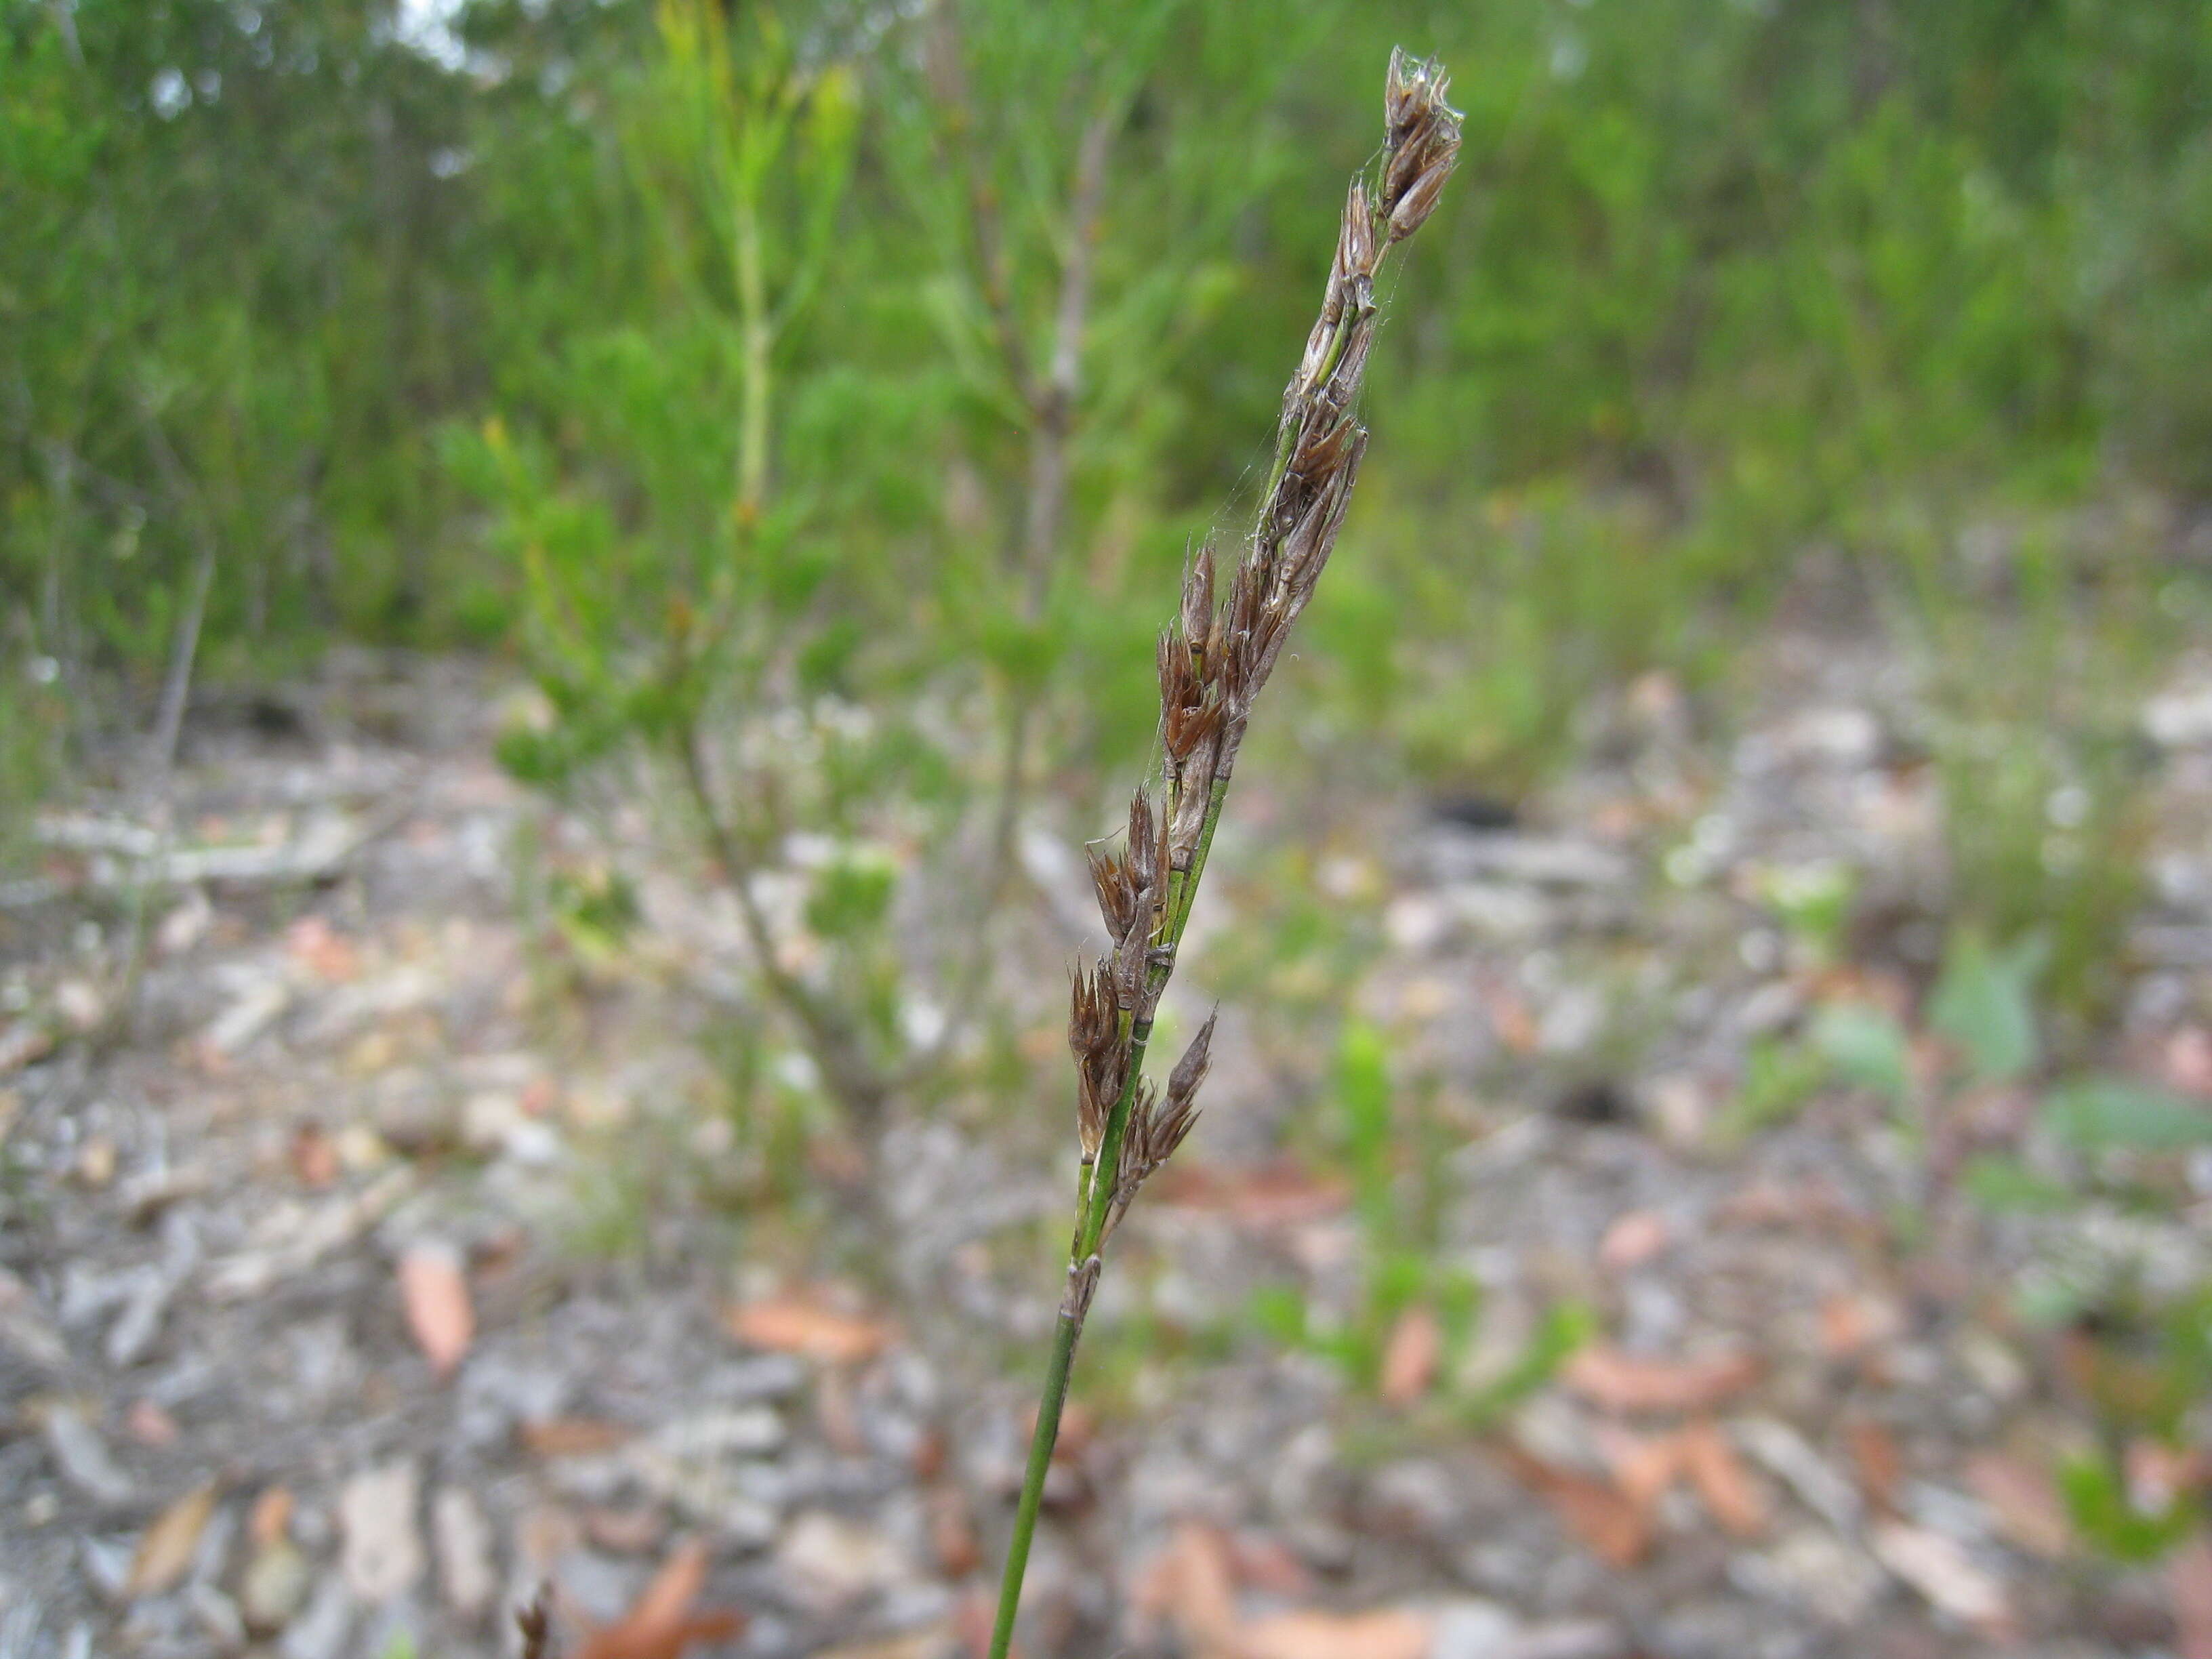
(1213, 661)
(1397, 1211)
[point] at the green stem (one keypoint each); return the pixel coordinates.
(1039, 1464)
(1095, 1203)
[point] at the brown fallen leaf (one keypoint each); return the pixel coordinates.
(1853, 1322)
(1191, 1584)
(1391, 1633)
(1616, 1530)
(150, 1424)
(2023, 1502)
(661, 1623)
(1633, 1240)
(2189, 1592)
(574, 1437)
(1626, 1383)
(167, 1548)
(802, 1325)
(625, 1529)
(439, 1312)
(1265, 1563)
(1721, 1479)
(2186, 1061)
(972, 1617)
(1880, 1464)
(1643, 1466)
(1411, 1356)
(1281, 1193)
(314, 1156)
(271, 1517)
(952, 1532)
(322, 950)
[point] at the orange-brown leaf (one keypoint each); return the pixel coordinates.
(2189, 1591)
(1410, 1358)
(1617, 1530)
(1390, 1633)
(800, 1325)
(2023, 1502)
(1722, 1481)
(1195, 1588)
(1643, 1466)
(1880, 1464)
(169, 1544)
(439, 1311)
(661, 1623)
(1280, 1193)
(572, 1436)
(1633, 1240)
(1624, 1383)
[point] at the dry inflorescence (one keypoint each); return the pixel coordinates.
(1213, 659)
(1215, 656)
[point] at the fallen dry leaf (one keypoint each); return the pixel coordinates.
(952, 1532)
(1851, 1322)
(2186, 1061)
(1624, 1383)
(322, 950)
(1722, 1481)
(2189, 1592)
(1267, 1564)
(314, 1156)
(167, 1548)
(1410, 1358)
(150, 1424)
(661, 1623)
(1392, 1633)
(271, 1517)
(1633, 1240)
(1642, 1466)
(574, 1437)
(1281, 1193)
(801, 1325)
(1878, 1463)
(1191, 1584)
(439, 1312)
(1617, 1530)
(628, 1529)
(1939, 1567)
(972, 1617)
(2024, 1504)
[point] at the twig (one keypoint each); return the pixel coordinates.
(833, 1044)
(1213, 661)
(1049, 406)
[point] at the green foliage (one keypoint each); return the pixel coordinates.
(1984, 1004)
(2097, 1502)
(1867, 1048)
(1778, 1078)
(2097, 1115)
(1400, 1227)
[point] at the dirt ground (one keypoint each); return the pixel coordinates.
(384, 1258)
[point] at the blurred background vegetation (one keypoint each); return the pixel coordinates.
(446, 325)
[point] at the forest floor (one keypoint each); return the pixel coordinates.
(390, 1252)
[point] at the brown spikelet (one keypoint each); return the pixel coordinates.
(1197, 615)
(533, 1621)
(1117, 893)
(1190, 1070)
